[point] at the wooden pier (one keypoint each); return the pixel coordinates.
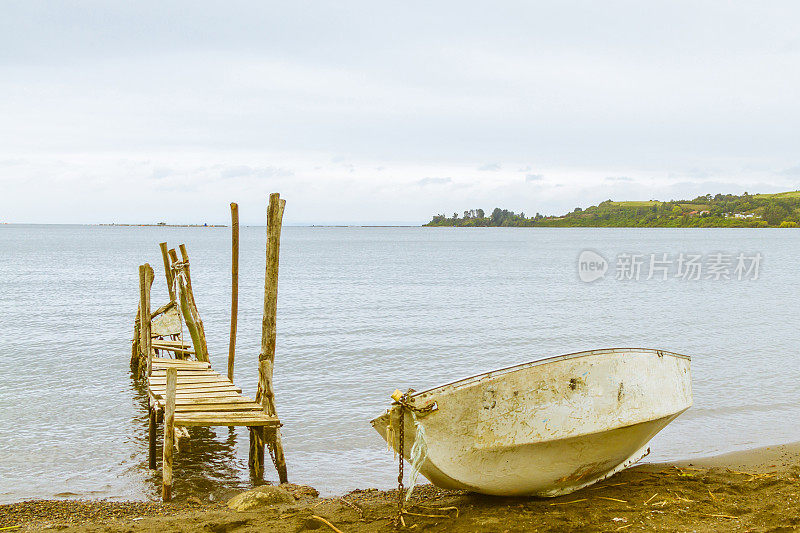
(183, 389)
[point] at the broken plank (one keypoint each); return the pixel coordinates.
(198, 390)
(216, 422)
(167, 360)
(211, 393)
(208, 374)
(191, 379)
(162, 367)
(197, 401)
(203, 396)
(225, 407)
(224, 419)
(204, 385)
(172, 349)
(177, 344)
(181, 369)
(194, 393)
(164, 362)
(162, 372)
(201, 414)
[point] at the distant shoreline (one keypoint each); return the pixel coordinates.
(718, 211)
(421, 226)
(133, 225)
(165, 225)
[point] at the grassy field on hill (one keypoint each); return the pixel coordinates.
(718, 211)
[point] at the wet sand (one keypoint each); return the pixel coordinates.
(756, 490)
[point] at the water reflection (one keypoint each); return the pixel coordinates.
(207, 465)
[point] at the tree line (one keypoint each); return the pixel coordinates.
(720, 210)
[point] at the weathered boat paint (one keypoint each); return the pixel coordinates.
(548, 427)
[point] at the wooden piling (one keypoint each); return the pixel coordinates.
(167, 270)
(151, 455)
(256, 457)
(135, 350)
(185, 259)
(266, 359)
(188, 306)
(201, 352)
(145, 339)
(169, 433)
(234, 285)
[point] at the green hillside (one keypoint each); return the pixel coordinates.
(718, 211)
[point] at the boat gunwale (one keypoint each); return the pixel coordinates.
(574, 355)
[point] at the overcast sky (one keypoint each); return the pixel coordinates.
(389, 111)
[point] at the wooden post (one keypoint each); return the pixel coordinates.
(256, 459)
(151, 455)
(266, 359)
(145, 339)
(188, 306)
(169, 434)
(135, 350)
(185, 259)
(234, 286)
(167, 270)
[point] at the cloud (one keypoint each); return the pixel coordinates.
(791, 171)
(434, 181)
(160, 173)
(243, 171)
(530, 178)
(233, 96)
(237, 171)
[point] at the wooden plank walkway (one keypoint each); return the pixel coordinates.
(186, 392)
(204, 397)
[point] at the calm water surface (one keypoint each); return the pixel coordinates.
(363, 311)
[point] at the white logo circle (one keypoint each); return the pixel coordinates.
(591, 266)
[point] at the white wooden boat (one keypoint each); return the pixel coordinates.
(547, 427)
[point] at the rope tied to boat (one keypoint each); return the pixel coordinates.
(419, 452)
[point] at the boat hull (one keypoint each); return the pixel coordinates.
(548, 427)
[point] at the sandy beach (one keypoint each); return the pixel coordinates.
(756, 490)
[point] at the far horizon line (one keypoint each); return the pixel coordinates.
(204, 225)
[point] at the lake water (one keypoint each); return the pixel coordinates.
(363, 311)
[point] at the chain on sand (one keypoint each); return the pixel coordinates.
(400, 490)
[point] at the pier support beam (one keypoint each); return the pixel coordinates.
(266, 359)
(169, 433)
(145, 339)
(188, 306)
(256, 458)
(151, 451)
(167, 270)
(234, 286)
